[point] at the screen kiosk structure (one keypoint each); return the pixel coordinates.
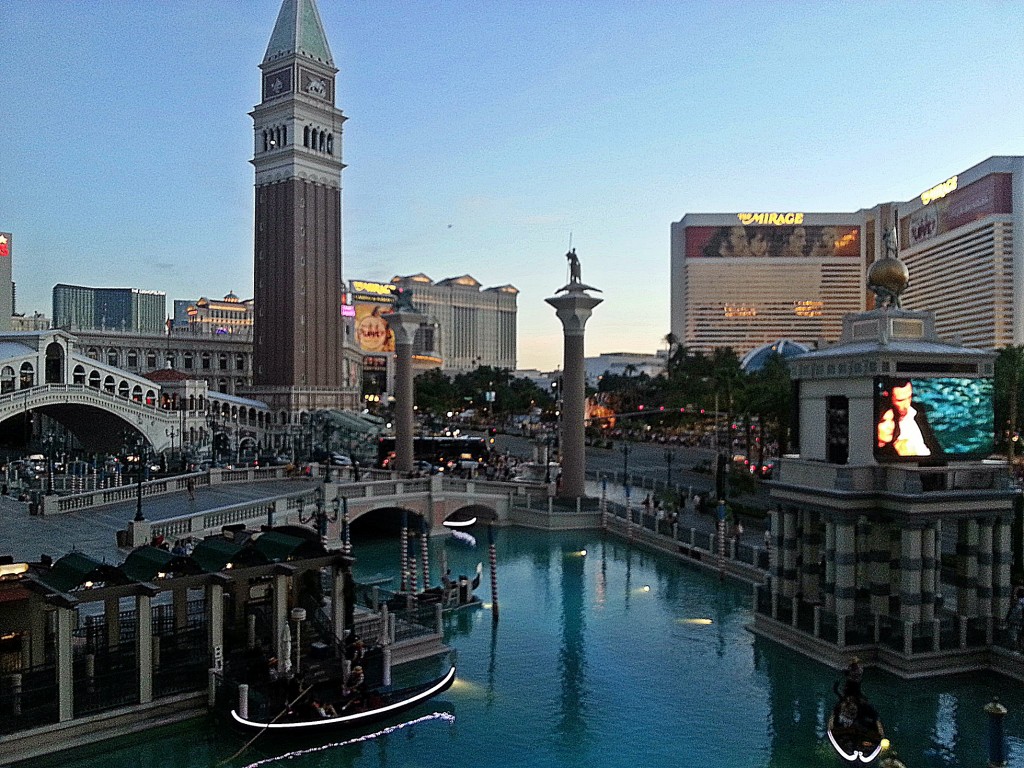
(894, 473)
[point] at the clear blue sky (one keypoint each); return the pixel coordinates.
(481, 135)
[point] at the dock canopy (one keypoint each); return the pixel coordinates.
(76, 570)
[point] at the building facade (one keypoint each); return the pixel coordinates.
(298, 346)
(963, 242)
(129, 310)
(474, 326)
(741, 280)
(230, 316)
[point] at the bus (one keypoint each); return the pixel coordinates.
(441, 452)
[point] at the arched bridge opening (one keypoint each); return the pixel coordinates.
(95, 429)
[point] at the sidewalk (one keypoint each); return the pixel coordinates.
(753, 528)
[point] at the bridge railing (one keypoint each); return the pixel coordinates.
(55, 505)
(99, 395)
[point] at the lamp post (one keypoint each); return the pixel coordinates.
(171, 432)
(48, 443)
(211, 422)
(668, 461)
(138, 495)
(320, 516)
(547, 457)
(625, 461)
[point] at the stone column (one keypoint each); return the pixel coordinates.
(985, 568)
(878, 556)
(910, 573)
(215, 622)
(573, 308)
(810, 538)
(144, 646)
(929, 564)
(789, 544)
(65, 663)
(338, 601)
(830, 565)
(846, 568)
(1002, 557)
(967, 568)
(404, 324)
(279, 617)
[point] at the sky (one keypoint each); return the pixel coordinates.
(485, 137)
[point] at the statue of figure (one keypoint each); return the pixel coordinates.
(403, 300)
(574, 267)
(892, 242)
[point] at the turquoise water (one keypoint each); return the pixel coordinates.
(588, 668)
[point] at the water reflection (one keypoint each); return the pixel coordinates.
(572, 655)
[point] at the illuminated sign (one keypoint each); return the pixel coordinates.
(939, 190)
(739, 310)
(5, 244)
(379, 289)
(774, 219)
(808, 308)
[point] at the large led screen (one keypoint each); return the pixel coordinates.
(933, 418)
(759, 241)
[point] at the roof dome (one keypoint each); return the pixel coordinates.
(756, 358)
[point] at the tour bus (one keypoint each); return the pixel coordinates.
(442, 452)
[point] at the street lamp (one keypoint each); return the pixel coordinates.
(171, 432)
(320, 516)
(547, 457)
(48, 442)
(668, 461)
(140, 445)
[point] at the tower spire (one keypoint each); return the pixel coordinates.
(299, 32)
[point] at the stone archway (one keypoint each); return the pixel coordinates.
(54, 371)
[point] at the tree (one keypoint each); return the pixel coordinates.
(1008, 376)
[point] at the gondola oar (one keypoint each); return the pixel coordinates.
(284, 711)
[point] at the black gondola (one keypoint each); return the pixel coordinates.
(377, 704)
(855, 731)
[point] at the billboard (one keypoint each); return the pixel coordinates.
(798, 241)
(933, 418)
(956, 207)
(372, 331)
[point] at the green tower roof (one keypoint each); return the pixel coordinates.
(299, 32)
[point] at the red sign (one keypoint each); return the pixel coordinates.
(5, 244)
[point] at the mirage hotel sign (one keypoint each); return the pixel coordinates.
(773, 219)
(939, 190)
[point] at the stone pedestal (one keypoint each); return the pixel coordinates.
(404, 323)
(573, 307)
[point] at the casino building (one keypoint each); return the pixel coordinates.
(747, 279)
(744, 279)
(963, 242)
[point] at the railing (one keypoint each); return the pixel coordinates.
(895, 479)
(28, 698)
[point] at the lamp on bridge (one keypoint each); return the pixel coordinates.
(140, 459)
(48, 442)
(320, 516)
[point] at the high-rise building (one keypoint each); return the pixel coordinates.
(963, 243)
(475, 326)
(740, 280)
(129, 310)
(298, 356)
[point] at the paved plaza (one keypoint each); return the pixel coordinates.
(93, 531)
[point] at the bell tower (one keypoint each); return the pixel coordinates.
(298, 356)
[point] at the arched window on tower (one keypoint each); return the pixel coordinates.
(305, 136)
(330, 143)
(284, 135)
(323, 141)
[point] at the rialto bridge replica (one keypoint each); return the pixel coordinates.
(107, 409)
(891, 528)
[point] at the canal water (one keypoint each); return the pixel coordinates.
(610, 659)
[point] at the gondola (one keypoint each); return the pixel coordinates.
(374, 705)
(858, 739)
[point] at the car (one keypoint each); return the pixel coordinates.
(340, 460)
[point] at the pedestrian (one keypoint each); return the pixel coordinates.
(738, 530)
(190, 488)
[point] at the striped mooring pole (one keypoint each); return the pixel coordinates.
(996, 733)
(492, 552)
(425, 551)
(403, 548)
(411, 542)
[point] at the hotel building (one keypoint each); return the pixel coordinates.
(744, 279)
(741, 280)
(963, 242)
